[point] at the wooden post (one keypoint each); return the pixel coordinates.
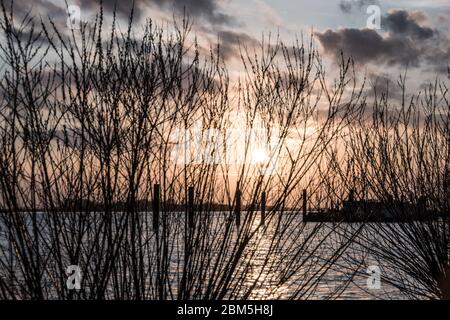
(155, 207)
(351, 195)
(263, 207)
(422, 204)
(190, 216)
(304, 203)
(390, 198)
(238, 207)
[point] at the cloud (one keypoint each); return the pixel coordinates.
(123, 9)
(205, 9)
(401, 22)
(57, 12)
(230, 41)
(366, 45)
(35, 8)
(348, 6)
(406, 42)
(380, 83)
(209, 10)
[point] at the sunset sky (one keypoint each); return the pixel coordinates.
(413, 34)
(143, 157)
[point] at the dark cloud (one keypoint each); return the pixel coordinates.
(366, 45)
(49, 9)
(348, 6)
(396, 21)
(401, 22)
(30, 28)
(42, 8)
(438, 55)
(122, 8)
(406, 42)
(206, 9)
(230, 41)
(58, 12)
(382, 84)
(25, 35)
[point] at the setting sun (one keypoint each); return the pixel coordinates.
(259, 156)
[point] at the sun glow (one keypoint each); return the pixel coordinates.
(259, 156)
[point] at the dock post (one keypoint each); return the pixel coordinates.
(190, 217)
(238, 207)
(263, 207)
(304, 203)
(155, 207)
(351, 195)
(422, 205)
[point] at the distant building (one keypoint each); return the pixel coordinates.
(373, 211)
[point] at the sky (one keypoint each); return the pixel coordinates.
(413, 35)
